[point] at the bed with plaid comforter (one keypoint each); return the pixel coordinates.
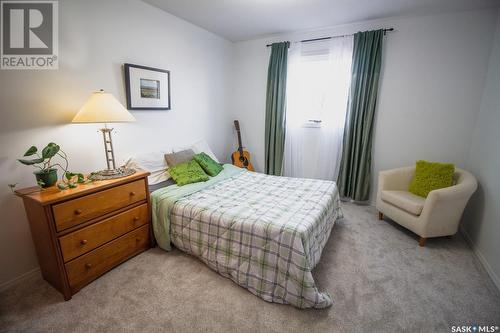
(265, 233)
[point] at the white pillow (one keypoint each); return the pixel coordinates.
(200, 147)
(154, 162)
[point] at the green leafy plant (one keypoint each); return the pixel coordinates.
(12, 187)
(45, 162)
(71, 180)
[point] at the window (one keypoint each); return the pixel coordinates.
(318, 82)
(319, 76)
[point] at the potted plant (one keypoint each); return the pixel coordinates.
(46, 175)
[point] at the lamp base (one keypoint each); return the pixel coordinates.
(111, 173)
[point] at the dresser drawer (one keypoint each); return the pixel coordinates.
(76, 211)
(93, 264)
(93, 236)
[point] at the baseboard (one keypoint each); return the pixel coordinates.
(481, 258)
(20, 279)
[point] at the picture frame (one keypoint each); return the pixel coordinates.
(147, 88)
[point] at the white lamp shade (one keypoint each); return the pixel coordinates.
(102, 107)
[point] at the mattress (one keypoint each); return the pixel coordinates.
(157, 186)
(265, 233)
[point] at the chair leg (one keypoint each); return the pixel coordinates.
(380, 215)
(421, 241)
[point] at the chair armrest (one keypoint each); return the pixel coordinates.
(452, 193)
(395, 179)
(443, 208)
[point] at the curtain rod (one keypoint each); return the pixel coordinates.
(331, 37)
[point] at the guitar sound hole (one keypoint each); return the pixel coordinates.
(244, 160)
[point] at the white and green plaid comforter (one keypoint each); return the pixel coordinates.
(265, 233)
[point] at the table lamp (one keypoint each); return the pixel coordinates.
(103, 107)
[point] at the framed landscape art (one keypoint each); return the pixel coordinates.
(147, 88)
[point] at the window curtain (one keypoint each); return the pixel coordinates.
(275, 108)
(356, 163)
(319, 76)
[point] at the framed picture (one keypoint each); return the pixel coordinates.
(147, 88)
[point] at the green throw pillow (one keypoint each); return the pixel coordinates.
(431, 176)
(211, 167)
(187, 173)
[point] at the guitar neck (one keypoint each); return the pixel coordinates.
(237, 126)
(240, 146)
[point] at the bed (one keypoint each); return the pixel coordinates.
(265, 233)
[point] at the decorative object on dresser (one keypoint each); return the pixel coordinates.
(147, 88)
(46, 175)
(82, 233)
(103, 107)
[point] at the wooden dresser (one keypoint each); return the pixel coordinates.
(81, 233)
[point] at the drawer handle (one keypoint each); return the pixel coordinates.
(88, 266)
(136, 219)
(83, 241)
(137, 239)
(78, 211)
(132, 193)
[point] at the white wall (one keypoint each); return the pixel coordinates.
(482, 219)
(96, 38)
(434, 69)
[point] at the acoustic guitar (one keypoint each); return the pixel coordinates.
(241, 158)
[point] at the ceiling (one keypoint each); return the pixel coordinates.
(239, 20)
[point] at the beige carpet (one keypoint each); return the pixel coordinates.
(379, 278)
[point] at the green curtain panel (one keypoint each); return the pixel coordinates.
(356, 163)
(275, 108)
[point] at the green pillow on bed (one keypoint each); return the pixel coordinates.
(187, 173)
(211, 167)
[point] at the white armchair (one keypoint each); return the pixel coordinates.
(437, 215)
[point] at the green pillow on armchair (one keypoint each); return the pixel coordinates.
(431, 176)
